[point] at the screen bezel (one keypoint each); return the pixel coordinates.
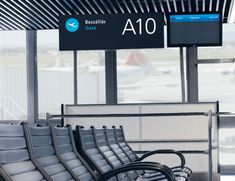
(169, 44)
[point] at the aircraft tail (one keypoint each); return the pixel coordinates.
(137, 58)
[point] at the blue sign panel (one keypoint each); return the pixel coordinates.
(195, 18)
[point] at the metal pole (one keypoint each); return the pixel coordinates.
(75, 77)
(111, 76)
(32, 78)
(182, 74)
(210, 162)
(192, 74)
(48, 118)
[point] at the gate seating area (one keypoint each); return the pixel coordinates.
(34, 153)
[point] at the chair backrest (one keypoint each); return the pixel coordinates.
(123, 150)
(14, 155)
(109, 154)
(111, 139)
(64, 144)
(120, 137)
(86, 143)
(44, 153)
(102, 145)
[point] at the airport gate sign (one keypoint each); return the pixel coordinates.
(110, 32)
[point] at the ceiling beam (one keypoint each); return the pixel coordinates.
(77, 6)
(98, 6)
(147, 5)
(197, 5)
(154, 5)
(56, 7)
(85, 7)
(11, 23)
(140, 5)
(112, 6)
(33, 13)
(231, 15)
(126, 5)
(182, 4)
(48, 16)
(175, 5)
(133, 6)
(21, 16)
(105, 6)
(93, 9)
(189, 6)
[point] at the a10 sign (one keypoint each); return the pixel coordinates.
(103, 32)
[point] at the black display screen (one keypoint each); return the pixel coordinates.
(102, 32)
(194, 29)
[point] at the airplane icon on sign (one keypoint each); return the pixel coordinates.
(72, 25)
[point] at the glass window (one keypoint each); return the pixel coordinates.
(13, 87)
(227, 142)
(56, 76)
(55, 73)
(149, 75)
(225, 51)
(217, 81)
(91, 77)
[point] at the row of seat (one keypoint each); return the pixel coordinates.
(106, 149)
(32, 153)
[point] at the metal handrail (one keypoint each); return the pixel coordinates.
(50, 116)
(168, 141)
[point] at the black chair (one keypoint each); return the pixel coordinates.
(30, 154)
(102, 137)
(116, 138)
(103, 161)
(15, 163)
(65, 147)
(44, 153)
(63, 142)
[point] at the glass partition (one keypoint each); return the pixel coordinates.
(55, 73)
(151, 75)
(217, 81)
(13, 86)
(91, 77)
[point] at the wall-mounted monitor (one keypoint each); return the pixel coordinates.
(194, 29)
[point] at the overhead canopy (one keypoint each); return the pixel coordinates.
(43, 14)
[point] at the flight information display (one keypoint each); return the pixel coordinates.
(103, 32)
(194, 29)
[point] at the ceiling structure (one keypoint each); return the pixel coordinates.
(44, 14)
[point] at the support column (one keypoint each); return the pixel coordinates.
(75, 78)
(111, 76)
(32, 79)
(183, 91)
(192, 74)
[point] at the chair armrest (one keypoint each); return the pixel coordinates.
(180, 155)
(153, 166)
